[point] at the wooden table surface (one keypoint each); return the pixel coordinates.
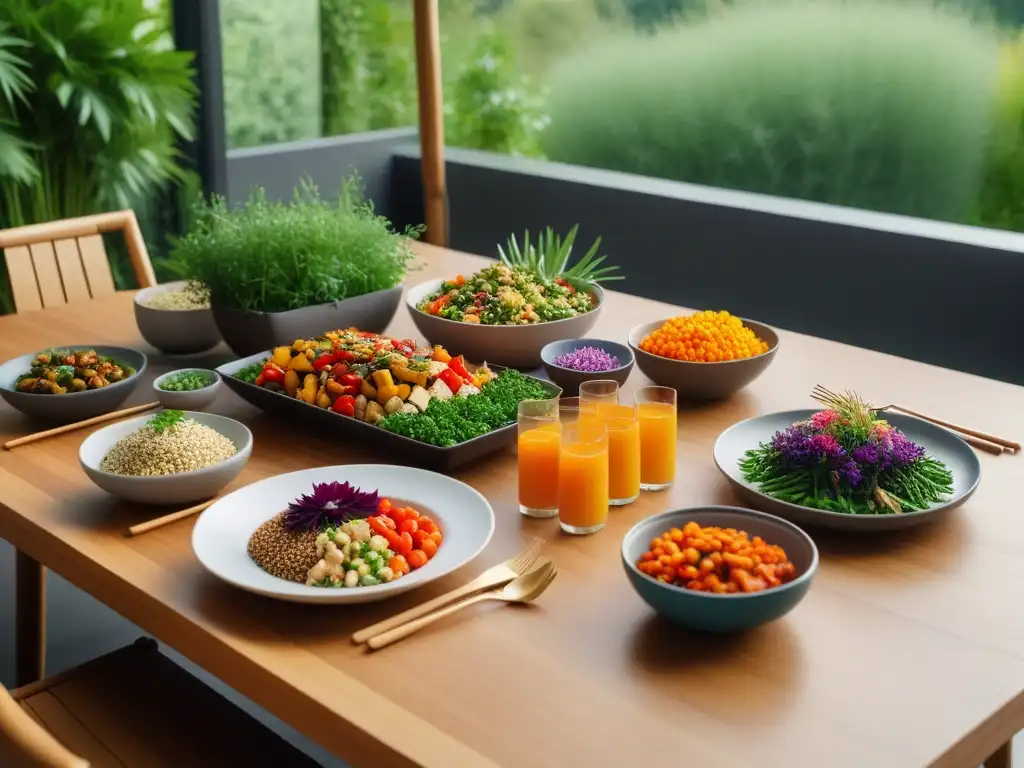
(908, 650)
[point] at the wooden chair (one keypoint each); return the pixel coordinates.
(133, 708)
(48, 265)
(60, 261)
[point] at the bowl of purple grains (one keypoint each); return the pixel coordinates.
(570, 362)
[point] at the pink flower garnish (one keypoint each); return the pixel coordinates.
(822, 420)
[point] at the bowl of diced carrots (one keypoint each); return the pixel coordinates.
(719, 569)
(704, 356)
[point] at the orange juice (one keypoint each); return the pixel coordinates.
(623, 452)
(657, 445)
(583, 481)
(538, 470)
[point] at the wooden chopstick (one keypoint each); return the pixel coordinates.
(981, 445)
(1001, 441)
(78, 425)
(160, 522)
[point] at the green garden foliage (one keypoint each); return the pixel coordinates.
(1001, 202)
(865, 103)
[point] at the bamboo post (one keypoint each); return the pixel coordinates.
(431, 105)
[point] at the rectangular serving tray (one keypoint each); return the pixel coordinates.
(412, 451)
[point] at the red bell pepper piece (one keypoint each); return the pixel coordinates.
(345, 405)
(351, 381)
(271, 373)
(458, 364)
(345, 356)
(324, 361)
(451, 379)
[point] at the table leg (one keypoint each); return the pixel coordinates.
(30, 620)
(1002, 757)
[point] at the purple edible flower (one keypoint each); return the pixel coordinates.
(904, 450)
(852, 474)
(588, 359)
(869, 453)
(827, 446)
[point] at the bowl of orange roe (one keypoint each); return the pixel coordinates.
(719, 569)
(708, 355)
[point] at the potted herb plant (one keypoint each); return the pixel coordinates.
(281, 271)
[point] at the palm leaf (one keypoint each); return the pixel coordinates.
(549, 256)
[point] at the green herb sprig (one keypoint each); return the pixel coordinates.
(165, 420)
(187, 381)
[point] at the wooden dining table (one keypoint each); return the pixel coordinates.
(907, 651)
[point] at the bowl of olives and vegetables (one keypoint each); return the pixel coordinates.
(72, 383)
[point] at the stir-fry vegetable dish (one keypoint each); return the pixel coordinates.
(61, 372)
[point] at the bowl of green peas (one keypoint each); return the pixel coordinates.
(187, 389)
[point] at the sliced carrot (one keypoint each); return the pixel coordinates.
(436, 537)
(427, 524)
(429, 547)
(383, 506)
(377, 525)
(411, 514)
(405, 544)
(419, 536)
(417, 558)
(398, 564)
(409, 526)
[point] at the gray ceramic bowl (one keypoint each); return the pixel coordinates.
(703, 381)
(940, 443)
(514, 346)
(569, 379)
(193, 400)
(175, 331)
(181, 488)
(74, 406)
(249, 332)
(721, 613)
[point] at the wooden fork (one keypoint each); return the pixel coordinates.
(496, 576)
(980, 440)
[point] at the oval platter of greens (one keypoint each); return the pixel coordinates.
(848, 469)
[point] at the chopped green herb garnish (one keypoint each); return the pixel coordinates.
(165, 420)
(250, 372)
(188, 381)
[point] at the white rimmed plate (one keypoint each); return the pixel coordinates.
(221, 534)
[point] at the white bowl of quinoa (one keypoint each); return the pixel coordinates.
(174, 457)
(176, 318)
(512, 345)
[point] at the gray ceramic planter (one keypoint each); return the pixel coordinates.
(250, 332)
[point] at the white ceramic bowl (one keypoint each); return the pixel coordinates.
(192, 400)
(221, 535)
(176, 331)
(514, 346)
(179, 488)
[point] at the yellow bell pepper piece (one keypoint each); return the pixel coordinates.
(282, 357)
(367, 390)
(403, 391)
(386, 392)
(322, 399)
(309, 388)
(441, 354)
(383, 378)
(291, 383)
(301, 364)
(402, 373)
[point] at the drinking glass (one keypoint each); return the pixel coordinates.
(623, 428)
(656, 408)
(538, 457)
(583, 475)
(600, 392)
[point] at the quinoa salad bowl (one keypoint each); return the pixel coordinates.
(510, 345)
(176, 319)
(174, 457)
(315, 536)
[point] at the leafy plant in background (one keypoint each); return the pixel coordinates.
(490, 106)
(268, 256)
(1001, 201)
(92, 119)
(865, 103)
(271, 71)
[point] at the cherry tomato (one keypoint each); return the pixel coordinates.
(408, 526)
(404, 546)
(417, 558)
(436, 537)
(429, 547)
(377, 524)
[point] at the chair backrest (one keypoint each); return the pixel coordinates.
(24, 742)
(60, 261)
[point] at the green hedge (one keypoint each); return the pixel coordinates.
(867, 104)
(1001, 202)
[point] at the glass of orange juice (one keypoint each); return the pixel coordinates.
(656, 409)
(538, 457)
(623, 428)
(599, 392)
(583, 475)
